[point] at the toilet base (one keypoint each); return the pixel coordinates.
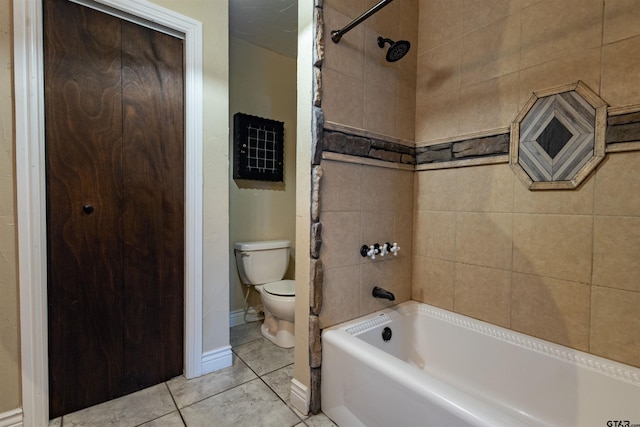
(282, 336)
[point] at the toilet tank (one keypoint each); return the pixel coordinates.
(262, 262)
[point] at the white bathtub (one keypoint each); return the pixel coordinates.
(443, 369)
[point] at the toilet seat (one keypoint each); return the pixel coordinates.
(281, 288)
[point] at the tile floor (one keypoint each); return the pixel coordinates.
(253, 392)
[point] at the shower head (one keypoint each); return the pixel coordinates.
(397, 49)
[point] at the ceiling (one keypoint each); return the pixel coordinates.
(271, 24)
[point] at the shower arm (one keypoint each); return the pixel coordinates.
(337, 34)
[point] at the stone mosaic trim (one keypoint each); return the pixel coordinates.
(373, 148)
(624, 128)
(462, 150)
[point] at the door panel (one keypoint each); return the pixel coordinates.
(84, 148)
(153, 219)
(115, 205)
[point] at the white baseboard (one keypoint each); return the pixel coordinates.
(216, 359)
(299, 398)
(11, 418)
(236, 318)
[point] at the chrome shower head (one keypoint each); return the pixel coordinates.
(396, 49)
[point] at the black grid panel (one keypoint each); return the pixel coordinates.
(258, 148)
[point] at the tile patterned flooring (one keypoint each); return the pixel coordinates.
(253, 392)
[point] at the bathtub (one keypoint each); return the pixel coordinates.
(444, 369)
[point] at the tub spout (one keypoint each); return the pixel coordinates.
(382, 293)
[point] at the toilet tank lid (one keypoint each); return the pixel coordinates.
(261, 246)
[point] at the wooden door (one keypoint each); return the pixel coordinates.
(115, 205)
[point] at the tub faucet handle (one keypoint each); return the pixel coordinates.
(372, 252)
(384, 249)
(394, 249)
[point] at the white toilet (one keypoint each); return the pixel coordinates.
(263, 265)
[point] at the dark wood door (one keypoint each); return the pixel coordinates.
(115, 205)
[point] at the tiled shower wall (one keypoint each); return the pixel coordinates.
(560, 265)
(360, 89)
(363, 204)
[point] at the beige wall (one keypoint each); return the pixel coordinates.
(9, 329)
(214, 17)
(560, 265)
(360, 88)
(262, 83)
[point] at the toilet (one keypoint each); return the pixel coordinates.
(263, 265)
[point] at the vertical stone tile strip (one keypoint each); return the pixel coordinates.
(314, 399)
(315, 294)
(315, 347)
(316, 240)
(316, 178)
(315, 303)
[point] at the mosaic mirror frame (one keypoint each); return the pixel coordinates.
(558, 138)
(258, 148)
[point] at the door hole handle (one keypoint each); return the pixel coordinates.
(88, 208)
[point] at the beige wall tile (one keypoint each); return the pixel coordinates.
(342, 97)
(582, 65)
(352, 9)
(433, 281)
(377, 71)
(406, 118)
(617, 185)
(436, 117)
(483, 293)
(379, 274)
(403, 233)
(341, 239)
(621, 72)
(402, 275)
(379, 110)
(616, 250)
(484, 239)
(480, 13)
(621, 19)
(377, 227)
(386, 22)
(551, 309)
(435, 190)
(491, 51)
(553, 246)
(489, 105)
(348, 56)
(435, 234)
(341, 295)
(485, 189)
(403, 184)
(379, 188)
(577, 202)
(615, 325)
(341, 186)
(440, 22)
(552, 29)
(439, 70)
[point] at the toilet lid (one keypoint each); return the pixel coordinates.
(283, 288)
